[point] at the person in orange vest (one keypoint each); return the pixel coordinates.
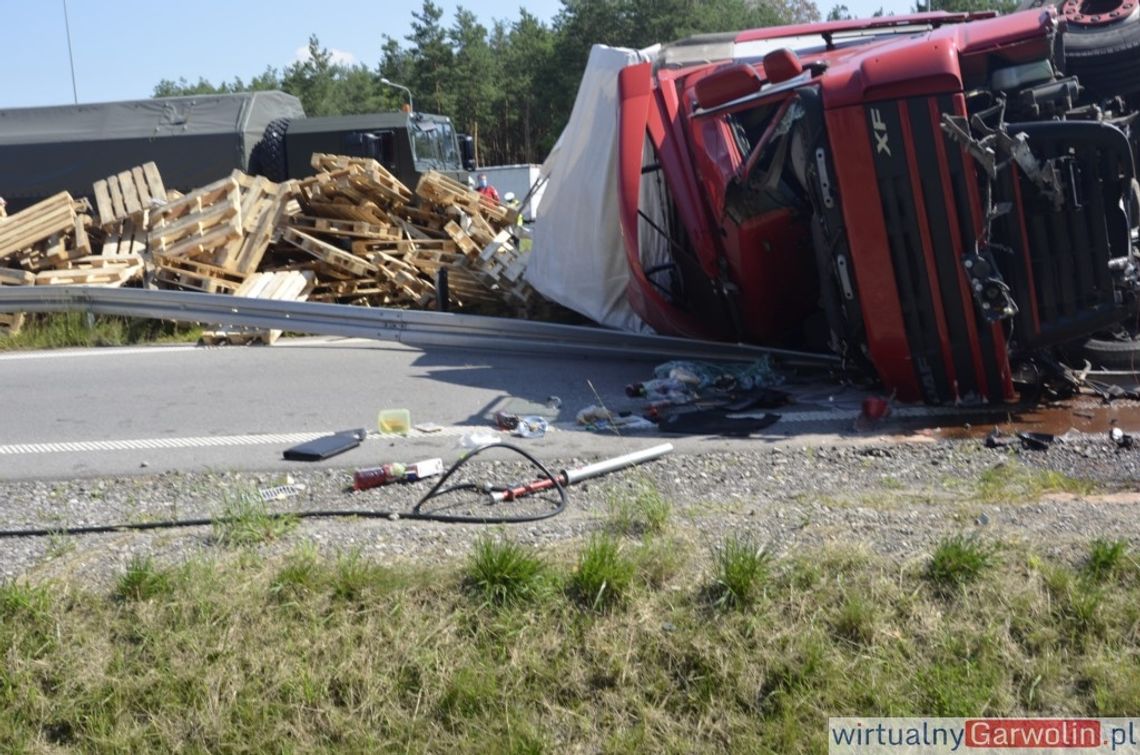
(487, 190)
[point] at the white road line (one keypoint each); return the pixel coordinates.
(207, 441)
(17, 356)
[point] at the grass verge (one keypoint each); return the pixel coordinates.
(58, 330)
(318, 653)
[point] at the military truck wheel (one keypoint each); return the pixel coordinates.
(1101, 43)
(268, 156)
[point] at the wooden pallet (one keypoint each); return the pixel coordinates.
(124, 237)
(197, 276)
(324, 206)
(440, 189)
(11, 323)
(465, 284)
(367, 176)
(54, 216)
(111, 272)
(265, 206)
(11, 277)
(353, 229)
(276, 286)
(206, 223)
(465, 243)
(129, 195)
(329, 254)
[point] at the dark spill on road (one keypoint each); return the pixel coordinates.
(1086, 415)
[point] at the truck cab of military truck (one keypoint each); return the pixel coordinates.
(408, 144)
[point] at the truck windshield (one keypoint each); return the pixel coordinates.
(434, 145)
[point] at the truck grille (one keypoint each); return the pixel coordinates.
(930, 220)
(1058, 268)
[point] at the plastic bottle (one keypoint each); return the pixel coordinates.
(373, 477)
(530, 427)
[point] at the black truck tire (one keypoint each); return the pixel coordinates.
(1112, 353)
(1105, 57)
(267, 158)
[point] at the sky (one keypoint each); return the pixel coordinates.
(122, 48)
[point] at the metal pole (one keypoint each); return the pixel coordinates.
(411, 106)
(70, 56)
(568, 477)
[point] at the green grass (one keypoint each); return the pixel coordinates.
(321, 652)
(142, 580)
(1106, 558)
(74, 329)
(604, 574)
(245, 520)
(639, 511)
(957, 561)
(502, 572)
(740, 570)
(1013, 481)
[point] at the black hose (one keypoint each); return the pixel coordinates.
(416, 513)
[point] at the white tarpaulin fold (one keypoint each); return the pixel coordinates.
(578, 258)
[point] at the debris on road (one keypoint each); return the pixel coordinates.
(326, 446)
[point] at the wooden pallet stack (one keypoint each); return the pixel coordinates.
(351, 233)
(354, 210)
(48, 234)
(214, 238)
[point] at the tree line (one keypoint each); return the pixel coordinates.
(511, 83)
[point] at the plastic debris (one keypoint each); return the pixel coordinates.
(598, 418)
(280, 492)
(1120, 438)
(374, 477)
(593, 414)
(1036, 441)
(506, 421)
(998, 439)
(733, 376)
(479, 438)
(662, 391)
(530, 427)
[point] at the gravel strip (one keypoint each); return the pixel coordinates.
(893, 497)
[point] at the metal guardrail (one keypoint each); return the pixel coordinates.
(416, 328)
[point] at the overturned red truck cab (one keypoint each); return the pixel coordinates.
(948, 201)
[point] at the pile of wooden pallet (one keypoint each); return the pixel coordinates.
(352, 233)
(379, 244)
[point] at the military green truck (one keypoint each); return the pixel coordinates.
(198, 139)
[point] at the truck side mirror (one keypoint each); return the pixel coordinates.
(467, 151)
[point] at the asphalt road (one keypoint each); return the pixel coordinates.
(115, 411)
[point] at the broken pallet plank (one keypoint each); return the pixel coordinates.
(10, 277)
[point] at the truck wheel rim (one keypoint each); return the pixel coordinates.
(1097, 13)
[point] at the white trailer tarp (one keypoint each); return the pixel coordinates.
(578, 259)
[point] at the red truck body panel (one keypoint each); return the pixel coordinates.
(911, 214)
